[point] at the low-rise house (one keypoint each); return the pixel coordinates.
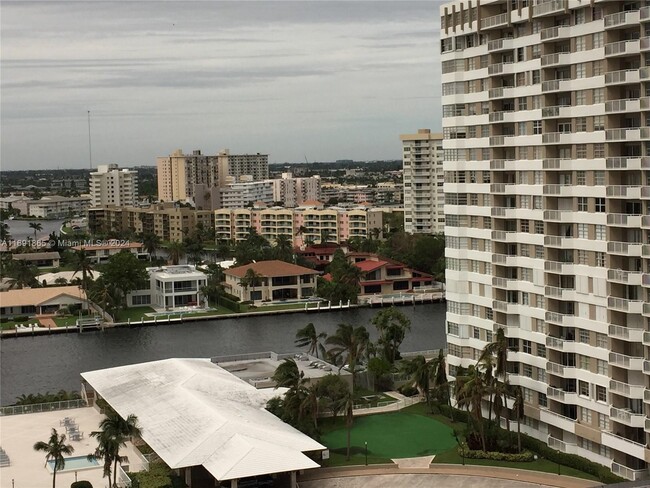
(40, 301)
(40, 259)
(382, 276)
(276, 281)
(171, 287)
(100, 253)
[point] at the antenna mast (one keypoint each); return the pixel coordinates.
(90, 150)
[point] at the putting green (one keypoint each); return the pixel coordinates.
(392, 435)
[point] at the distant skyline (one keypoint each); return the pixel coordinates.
(322, 80)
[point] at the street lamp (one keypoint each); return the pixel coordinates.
(366, 443)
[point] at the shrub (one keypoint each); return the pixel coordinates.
(21, 318)
(232, 305)
(408, 390)
(81, 484)
(525, 456)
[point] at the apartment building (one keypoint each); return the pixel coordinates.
(293, 192)
(53, 207)
(547, 158)
(424, 198)
(242, 194)
(179, 173)
(110, 185)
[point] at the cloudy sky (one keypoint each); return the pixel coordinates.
(326, 80)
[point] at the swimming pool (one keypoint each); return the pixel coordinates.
(75, 463)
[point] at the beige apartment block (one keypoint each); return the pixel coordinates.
(546, 126)
(424, 199)
(110, 185)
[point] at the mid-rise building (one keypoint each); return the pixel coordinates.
(179, 173)
(242, 194)
(110, 185)
(547, 162)
(293, 192)
(53, 207)
(424, 199)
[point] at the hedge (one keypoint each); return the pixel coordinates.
(525, 456)
(232, 305)
(81, 484)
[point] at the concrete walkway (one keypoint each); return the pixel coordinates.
(447, 475)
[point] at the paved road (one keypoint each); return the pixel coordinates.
(417, 481)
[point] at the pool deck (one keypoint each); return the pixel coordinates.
(19, 433)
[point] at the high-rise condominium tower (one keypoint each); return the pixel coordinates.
(424, 199)
(546, 124)
(110, 185)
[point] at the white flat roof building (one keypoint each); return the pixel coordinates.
(194, 413)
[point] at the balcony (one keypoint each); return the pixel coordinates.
(497, 140)
(625, 162)
(560, 370)
(623, 445)
(553, 241)
(629, 105)
(556, 111)
(624, 220)
(622, 48)
(627, 417)
(644, 73)
(626, 390)
(646, 338)
(647, 426)
(552, 418)
(625, 362)
(625, 134)
(555, 33)
(495, 21)
(555, 163)
(625, 305)
(556, 266)
(625, 333)
(621, 19)
(644, 13)
(561, 446)
(496, 92)
(624, 248)
(557, 343)
(554, 215)
(550, 85)
(560, 395)
(559, 293)
(624, 277)
(500, 44)
(624, 191)
(628, 473)
(645, 43)
(646, 366)
(504, 236)
(550, 8)
(556, 59)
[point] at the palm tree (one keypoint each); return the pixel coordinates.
(518, 410)
(114, 433)
(498, 349)
(287, 375)
(105, 452)
(346, 404)
(55, 448)
(5, 235)
(392, 326)
(350, 344)
(307, 336)
(283, 248)
(309, 405)
(37, 226)
(150, 242)
(420, 372)
(175, 251)
(252, 278)
(83, 265)
(441, 382)
(470, 395)
(21, 273)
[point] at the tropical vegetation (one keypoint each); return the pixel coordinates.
(55, 449)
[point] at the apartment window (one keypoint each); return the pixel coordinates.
(541, 375)
(452, 328)
(536, 77)
(599, 95)
(599, 122)
(580, 16)
(604, 450)
(585, 414)
(526, 273)
(537, 100)
(583, 232)
(476, 333)
(600, 205)
(581, 151)
(523, 103)
(603, 422)
(537, 127)
(599, 178)
(583, 388)
(581, 124)
(528, 395)
(600, 259)
(522, 128)
(524, 226)
(524, 201)
(541, 350)
(598, 40)
(542, 400)
(584, 336)
(581, 97)
(581, 178)
(601, 367)
(600, 232)
(536, 51)
(485, 131)
(601, 393)
(601, 340)
(582, 204)
(523, 250)
(486, 175)
(487, 223)
(488, 336)
(537, 202)
(526, 347)
(539, 227)
(539, 177)
(525, 298)
(527, 371)
(597, 68)
(599, 150)
(581, 70)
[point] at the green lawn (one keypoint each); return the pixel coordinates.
(391, 435)
(133, 313)
(359, 393)
(11, 324)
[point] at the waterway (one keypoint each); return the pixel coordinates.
(54, 362)
(20, 229)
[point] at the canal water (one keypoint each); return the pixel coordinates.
(51, 363)
(20, 229)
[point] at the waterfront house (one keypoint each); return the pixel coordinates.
(39, 259)
(100, 253)
(276, 281)
(40, 301)
(205, 423)
(171, 287)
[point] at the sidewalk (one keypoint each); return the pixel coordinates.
(482, 472)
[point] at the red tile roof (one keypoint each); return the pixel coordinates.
(270, 269)
(368, 265)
